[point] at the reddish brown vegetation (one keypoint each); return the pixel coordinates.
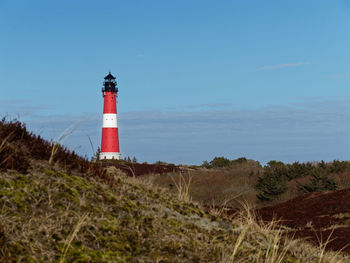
(316, 216)
(18, 146)
(139, 169)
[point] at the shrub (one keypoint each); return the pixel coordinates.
(297, 170)
(18, 146)
(320, 182)
(239, 160)
(206, 164)
(337, 166)
(273, 181)
(220, 162)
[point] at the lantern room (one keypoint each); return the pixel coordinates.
(109, 84)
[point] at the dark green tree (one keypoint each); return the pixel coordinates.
(239, 160)
(206, 164)
(220, 162)
(273, 182)
(297, 170)
(96, 157)
(337, 166)
(320, 181)
(270, 185)
(322, 165)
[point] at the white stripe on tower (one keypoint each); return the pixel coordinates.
(110, 120)
(108, 155)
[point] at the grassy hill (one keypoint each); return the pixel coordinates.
(71, 210)
(45, 210)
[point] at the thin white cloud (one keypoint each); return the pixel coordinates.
(209, 105)
(11, 102)
(300, 131)
(21, 108)
(345, 75)
(286, 65)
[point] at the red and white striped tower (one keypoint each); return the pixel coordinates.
(110, 139)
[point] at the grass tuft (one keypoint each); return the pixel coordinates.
(183, 187)
(73, 234)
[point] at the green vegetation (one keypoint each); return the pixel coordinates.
(52, 216)
(219, 162)
(273, 182)
(124, 222)
(320, 182)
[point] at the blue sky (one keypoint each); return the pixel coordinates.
(197, 79)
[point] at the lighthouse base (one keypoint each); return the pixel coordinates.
(109, 156)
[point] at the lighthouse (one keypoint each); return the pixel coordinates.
(110, 138)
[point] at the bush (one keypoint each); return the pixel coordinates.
(239, 160)
(337, 166)
(220, 162)
(297, 170)
(206, 164)
(13, 159)
(18, 146)
(320, 182)
(273, 181)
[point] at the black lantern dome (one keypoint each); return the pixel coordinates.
(109, 85)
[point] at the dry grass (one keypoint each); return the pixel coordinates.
(128, 168)
(336, 256)
(4, 141)
(265, 242)
(270, 244)
(183, 187)
(21, 146)
(226, 187)
(57, 144)
(131, 220)
(128, 222)
(215, 187)
(262, 242)
(219, 211)
(3, 145)
(73, 234)
(342, 180)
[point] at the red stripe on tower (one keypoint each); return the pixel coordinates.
(110, 139)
